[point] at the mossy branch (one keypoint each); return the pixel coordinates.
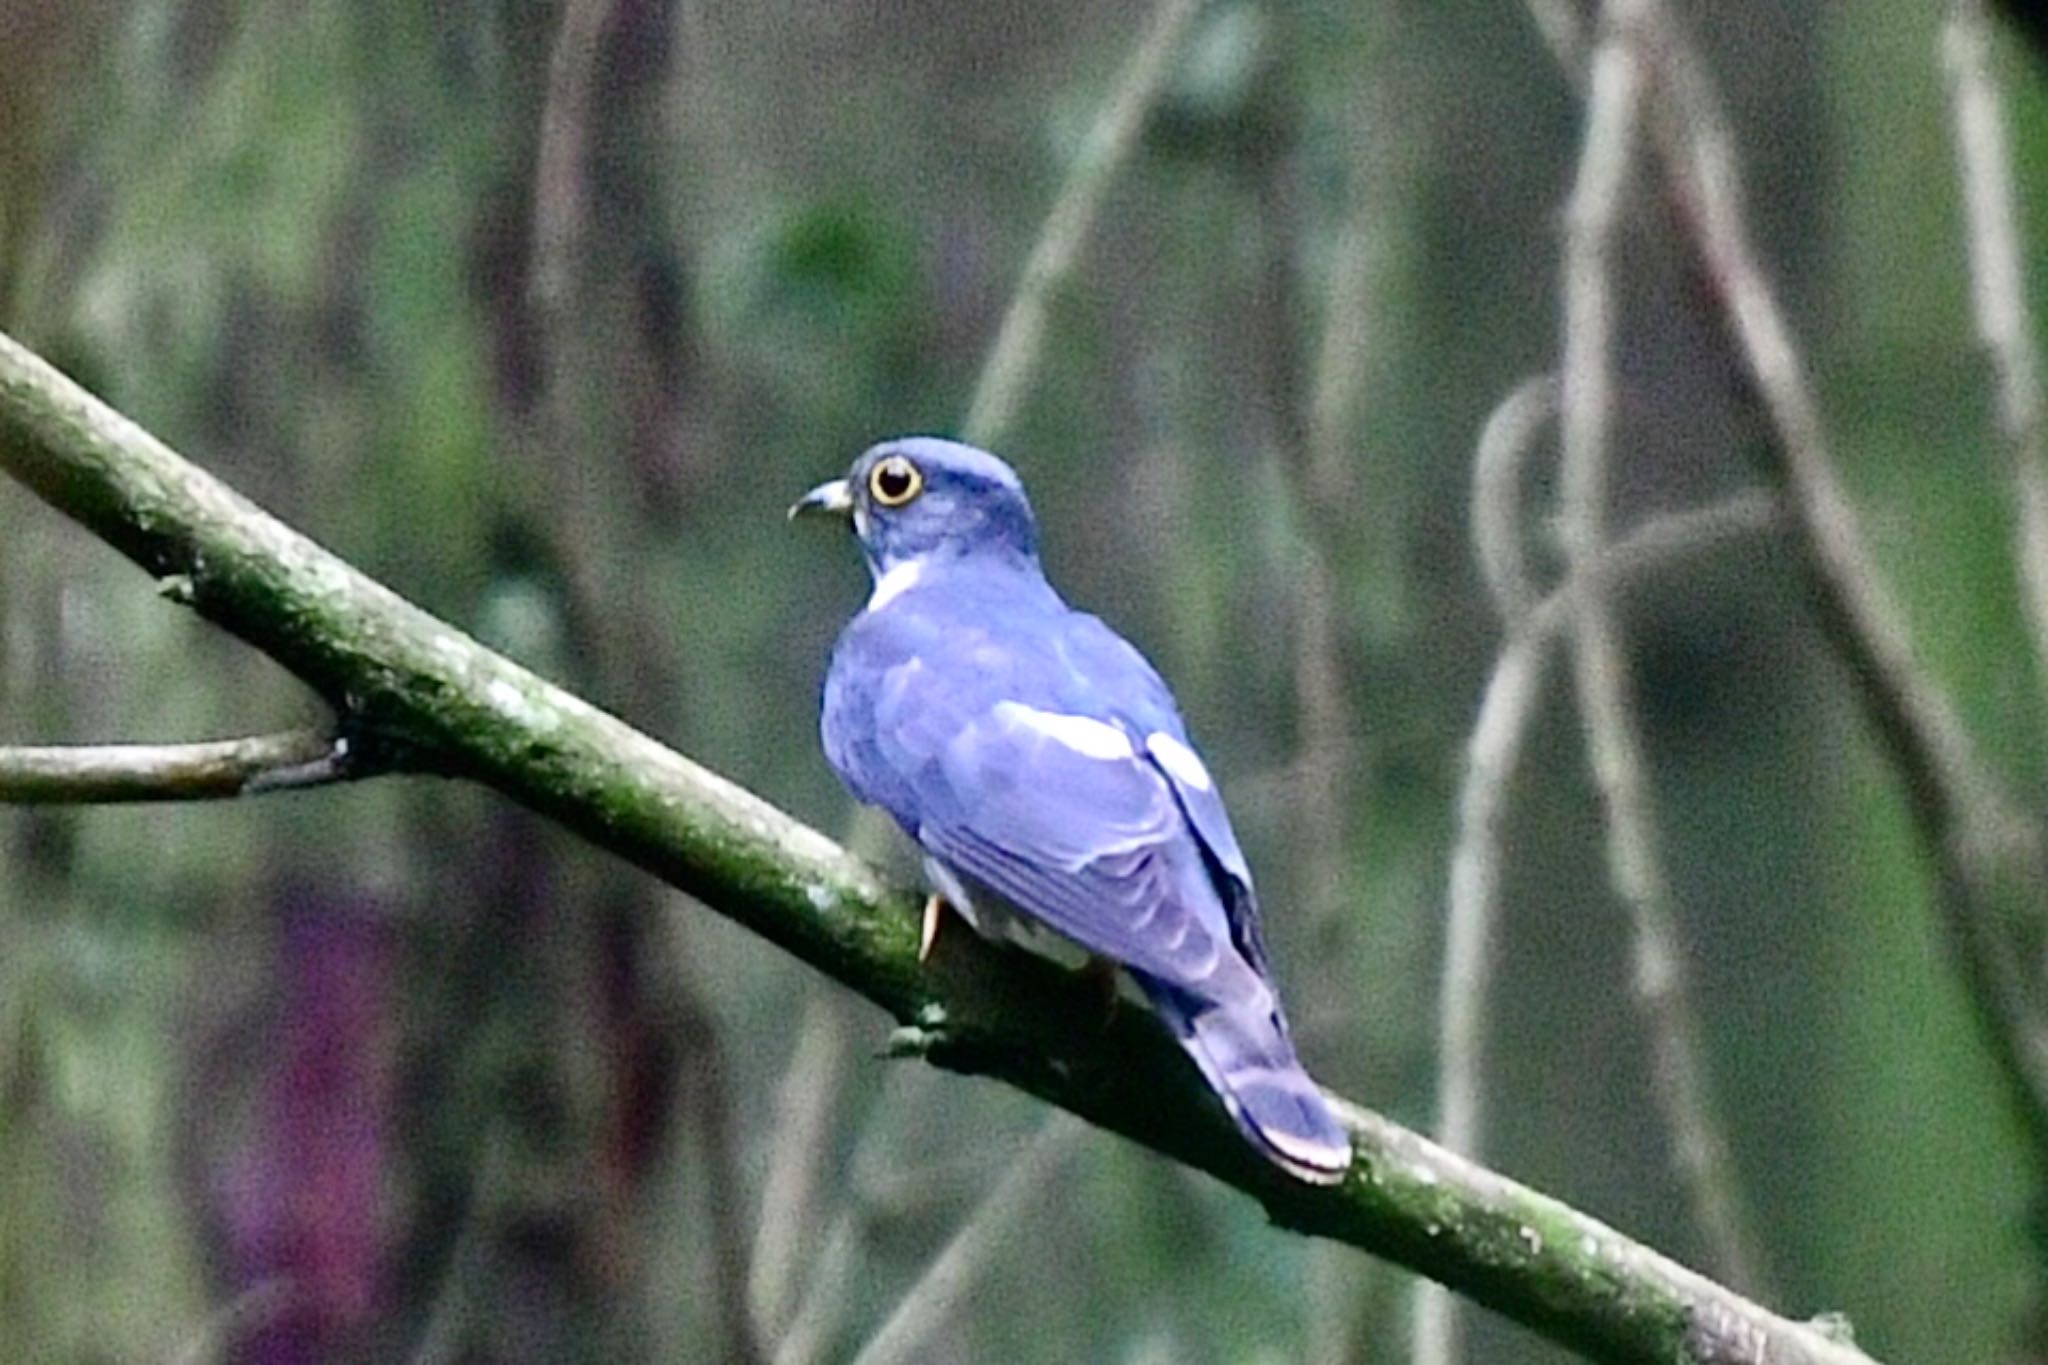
(447, 704)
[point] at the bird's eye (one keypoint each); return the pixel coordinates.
(894, 481)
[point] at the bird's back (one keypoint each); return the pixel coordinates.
(969, 639)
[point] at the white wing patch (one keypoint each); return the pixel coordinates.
(900, 578)
(1083, 734)
(1178, 759)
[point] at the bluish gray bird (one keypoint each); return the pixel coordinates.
(1042, 766)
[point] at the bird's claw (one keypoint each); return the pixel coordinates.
(928, 932)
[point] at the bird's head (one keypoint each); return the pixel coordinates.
(919, 498)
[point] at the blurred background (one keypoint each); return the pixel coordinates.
(542, 311)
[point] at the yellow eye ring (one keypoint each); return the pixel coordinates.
(894, 481)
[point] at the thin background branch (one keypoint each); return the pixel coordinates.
(1492, 755)
(924, 1309)
(1326, 465)
(1698, 147)
(1497, 465)
(561, 181)
(1614, 741)
(568, 298)
(1998, 295)
(1317, 456)
(1007, 374)
(815, 1321)
(806, 1105)
(814, 1325)
(1493, 758)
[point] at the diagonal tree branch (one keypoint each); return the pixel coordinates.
(978, 1010)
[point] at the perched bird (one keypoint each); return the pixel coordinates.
(1042, 766)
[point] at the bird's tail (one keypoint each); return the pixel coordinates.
(1248, 1059)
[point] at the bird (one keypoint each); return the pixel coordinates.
(1041, 765)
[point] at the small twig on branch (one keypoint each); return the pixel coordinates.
(210, 770)
(1998, 294)
(981, 1011)
(1614, 739)
(1007, 372)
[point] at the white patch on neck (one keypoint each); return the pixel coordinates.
(1083, 734)
(1178, 760)
(900, 578)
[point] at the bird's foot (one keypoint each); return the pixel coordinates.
(934, 915)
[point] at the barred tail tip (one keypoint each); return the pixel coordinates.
(1250, 1063)
(1292, 1125)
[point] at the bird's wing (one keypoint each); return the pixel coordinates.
(1203, 808)
(1063, 817)
(1070, 816)
(1141, 700)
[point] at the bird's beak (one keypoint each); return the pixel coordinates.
(835, 497)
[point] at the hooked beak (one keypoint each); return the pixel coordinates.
(835, 498)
